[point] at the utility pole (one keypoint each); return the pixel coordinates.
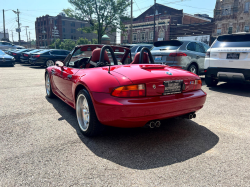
(154, 20)
(3, 25)
(19, 29)
(26, 32)
(131, 24)
(12, 35)
(29, 39)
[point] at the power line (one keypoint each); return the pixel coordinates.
(137, 6)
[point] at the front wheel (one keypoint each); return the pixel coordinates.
(210, 82)
(49, 63)
(49, 92)
(87, 120)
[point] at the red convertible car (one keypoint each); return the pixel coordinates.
(121, 93)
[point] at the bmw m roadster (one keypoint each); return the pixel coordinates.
(106, 88)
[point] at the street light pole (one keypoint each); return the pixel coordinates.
(131, 24)
(4, 36)
(154, 20)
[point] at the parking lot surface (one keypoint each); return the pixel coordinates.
(41, 145)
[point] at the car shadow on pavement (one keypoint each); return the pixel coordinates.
(231, 88)
(177, 140)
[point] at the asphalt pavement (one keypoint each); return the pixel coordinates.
(40, 143)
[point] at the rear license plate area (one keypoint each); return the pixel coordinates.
(173, 87)
(158, 58)
(233, 55)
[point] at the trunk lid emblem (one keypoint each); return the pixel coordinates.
(169, 73)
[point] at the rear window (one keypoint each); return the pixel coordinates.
(232, 41)
(167, 45)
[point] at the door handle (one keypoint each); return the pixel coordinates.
(197, 56)
(69, 76)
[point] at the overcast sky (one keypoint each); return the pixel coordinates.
(31, 9)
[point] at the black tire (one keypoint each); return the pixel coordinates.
(193, 68)
(48, 89)
(93, 127)
(210, 82)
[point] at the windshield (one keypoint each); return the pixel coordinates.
(232, 41)
(167, 45)
(2, 53)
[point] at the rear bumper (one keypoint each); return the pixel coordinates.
(24, 59)
(229, 74)
(7, 63)
(136, 112)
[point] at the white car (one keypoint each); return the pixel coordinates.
(228, 59)
(8, 46)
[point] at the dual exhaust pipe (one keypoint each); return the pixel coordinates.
(153, 124)
(190, 116)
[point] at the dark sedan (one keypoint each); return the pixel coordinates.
(48, 57)
(18, 54)
(6, 60)
(26, 55)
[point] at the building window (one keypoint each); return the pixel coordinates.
(246, 7)
(72, 24)
(72, 37)
(238, 28)
(151, 36)
(63, 23)
(218, 31)
(246, 29)
(230, 30)
(82, 25)
(44, 22)
(142, 36)
(63, 29)
(134, 37)
(55, 22)
(161, 35)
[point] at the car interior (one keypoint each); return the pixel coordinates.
(98, 56)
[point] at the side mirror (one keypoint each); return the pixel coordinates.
(60, 64)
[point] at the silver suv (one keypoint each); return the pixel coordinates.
(188, 55)
(7, 46)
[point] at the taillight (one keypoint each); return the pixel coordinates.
(177, 54)
(14, 54)
(208, 55)
(36, 56)
(130, 91)
(192, 85)
(26, 55)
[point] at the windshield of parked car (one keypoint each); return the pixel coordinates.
(232, 41)
(2, 53)
(167, 45)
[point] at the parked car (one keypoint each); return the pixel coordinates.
(228, 59)
(135, 48)
(7, 45)
(187, 55)
(135, 95)
(6, 60)
(18, 54)
(9, 52)
(48, 57)
(24, 58)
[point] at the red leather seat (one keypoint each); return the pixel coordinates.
(137, 59)
(96, 54)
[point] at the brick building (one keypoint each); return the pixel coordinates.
(231, 16)
(67, 28)
(165, 17)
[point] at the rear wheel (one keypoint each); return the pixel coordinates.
(193, 68)
(49, 63)
(211, 82)
(87, 120)
(49, 92)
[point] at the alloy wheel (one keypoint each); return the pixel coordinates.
(50, 63)
(47, 84)
(82, 112)
(193, 69)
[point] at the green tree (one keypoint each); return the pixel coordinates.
(104, 16)
(82, 41)
(57, 42)
(67, 44)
